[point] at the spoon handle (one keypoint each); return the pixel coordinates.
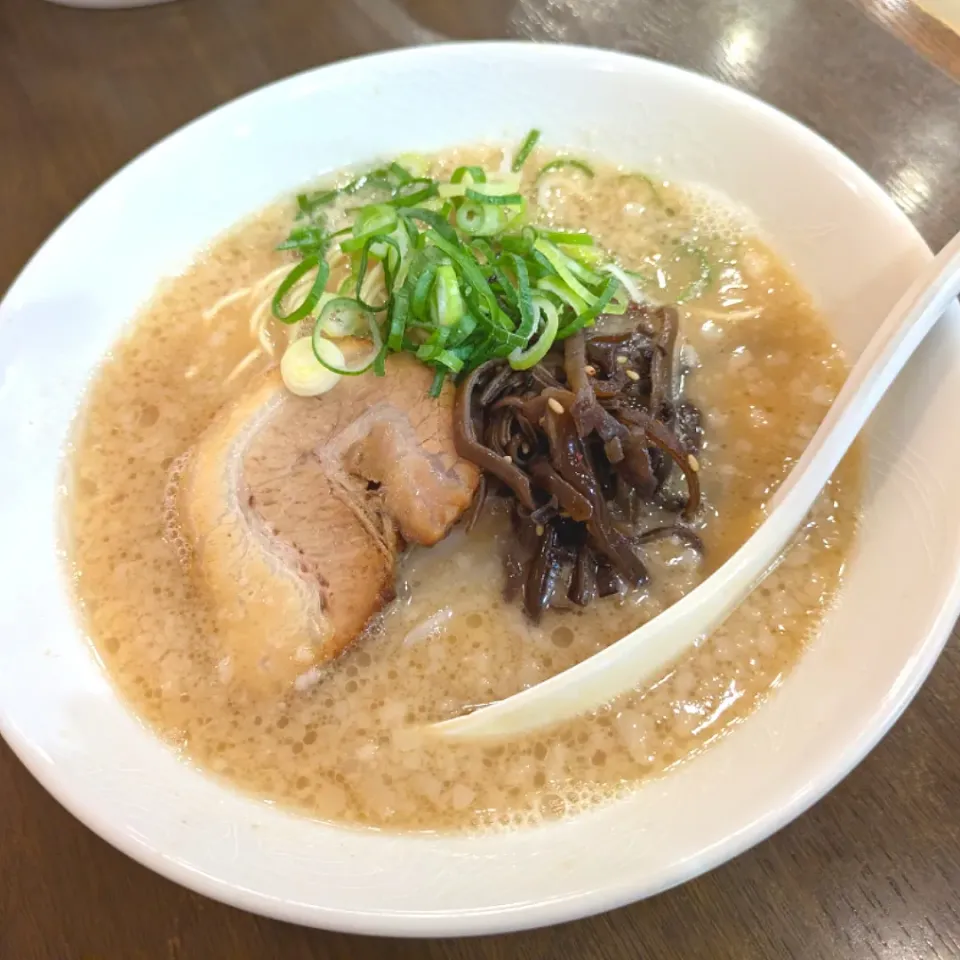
(652, 647)
(884, 356)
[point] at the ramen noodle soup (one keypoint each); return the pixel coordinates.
(189, 610)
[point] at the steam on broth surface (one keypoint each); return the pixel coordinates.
(345, 742)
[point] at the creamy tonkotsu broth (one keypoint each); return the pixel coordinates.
(346, 743)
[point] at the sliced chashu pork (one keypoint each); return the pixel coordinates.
(296, 509)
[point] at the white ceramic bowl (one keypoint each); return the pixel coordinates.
(847, 241)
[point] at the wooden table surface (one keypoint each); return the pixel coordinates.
(873, 870)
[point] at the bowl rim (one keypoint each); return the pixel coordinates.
(585, 903)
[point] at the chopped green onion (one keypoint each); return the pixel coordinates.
(433, 220)
(560, 290)
(450, 360)
(501, 200)
(648, 183)
(400, 174)
(373, 329)
(502, 183)
(422, 291)
(566, 237)
(480, 219)
(481, 289)
(521, 243)
(524, 299)
(626, 278)
(436, 388)
(341, 317)
(415, 163)
(446, 306)
(697, 262)
(526, 148)
(705, 275)
(562, 163)
(313, 295)
(476, 174)
(465, 327)
(619, 301)
(580, 270)
(307, 239)
(308, 202)
(413, 193)
(378, 218)
(349, 282)
(525, 359)
(588, 256)
(449, 190)
(587, 317)
(464, 277)
(398, 320)
(434, 344)
(380, 361)
(561, 264)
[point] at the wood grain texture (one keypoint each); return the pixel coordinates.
(918, 27)
(873, 870)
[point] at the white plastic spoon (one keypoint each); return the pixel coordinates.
(643, 654)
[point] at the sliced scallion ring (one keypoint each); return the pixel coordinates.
(303, 374)
(564, 163)
(689, 259)
(372, 333)
(704, 276)
(482, 219)
(500, 185)
(312, 298)
(651, 191)
(341, 317)
(476, 174)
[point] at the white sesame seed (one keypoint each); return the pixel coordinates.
(621, 359)
(555, 405)
(694, 463)
(633, 375)
(540, 530)
(591, 370)
(507, 458)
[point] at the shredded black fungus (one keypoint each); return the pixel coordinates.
(581, 443)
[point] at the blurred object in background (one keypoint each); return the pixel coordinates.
(108, 4)
(946, 11)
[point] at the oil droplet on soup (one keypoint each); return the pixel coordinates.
(761, 365)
